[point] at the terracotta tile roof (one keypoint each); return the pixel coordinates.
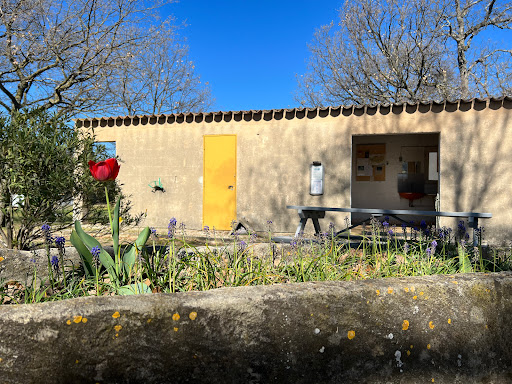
(298, 113)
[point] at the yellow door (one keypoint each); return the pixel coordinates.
(219, 171)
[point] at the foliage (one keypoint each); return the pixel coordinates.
(40, 159)
(94, 257)
(174, 265)
(389, 51)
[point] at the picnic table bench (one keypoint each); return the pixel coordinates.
(315, 213)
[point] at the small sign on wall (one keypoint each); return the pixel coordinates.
(317, 179)
(371, 162)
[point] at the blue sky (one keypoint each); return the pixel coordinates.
(250, 51)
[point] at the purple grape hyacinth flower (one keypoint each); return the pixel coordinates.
(171, 228)
(95, 251)
(55, 262)
(60, 241)
(46, 229)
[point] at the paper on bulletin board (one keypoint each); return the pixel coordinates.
(370, 162)
(364, 167)
(378, 159)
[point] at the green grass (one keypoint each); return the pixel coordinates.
(179, 266)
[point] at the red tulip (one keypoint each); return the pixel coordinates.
(104, 170)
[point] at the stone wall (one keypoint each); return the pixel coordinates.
(442, 329)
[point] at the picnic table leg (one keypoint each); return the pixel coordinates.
(316, 224)
(314, 216)
(473, 223)
(301, 226)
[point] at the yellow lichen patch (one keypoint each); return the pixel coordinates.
(192, 315)
(118, 328)
(431, 324)
(449, 321)
(413, 289)
(77, 319)
(428, 346)
(68, 322)
(84, 320)
(149, 321)
(411, 346)
(414, 297)
(116, 315)
(175, 329)
(77, 361)
(176, 316)
(408, 353)
(1, 258)
(421, 293)
(487, 290)
(351, 335)
(377, 292)
(406, 289)
(454, 282)
(390, 290)
(405, 325)
(433, 380)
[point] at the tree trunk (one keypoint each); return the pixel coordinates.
(463, 69)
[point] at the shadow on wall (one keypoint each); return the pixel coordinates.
(288, 182)
(476, 173)
(474, 167)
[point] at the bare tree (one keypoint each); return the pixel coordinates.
(464, 21)
(64, 55)
(160, 80)
(390, 51)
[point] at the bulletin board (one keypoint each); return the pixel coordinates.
(370, 162)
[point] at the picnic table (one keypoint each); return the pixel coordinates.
(315, 213)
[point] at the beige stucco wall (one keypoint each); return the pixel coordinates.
(273, 159)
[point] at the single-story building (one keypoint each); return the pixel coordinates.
(213, 169)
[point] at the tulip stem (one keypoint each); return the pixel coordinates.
(116, 257)
(109, 214)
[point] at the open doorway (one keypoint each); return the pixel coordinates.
(395, 172)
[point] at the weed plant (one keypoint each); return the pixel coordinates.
(172, 264)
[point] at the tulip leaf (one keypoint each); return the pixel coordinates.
(115, 228)
(134, 289)
(90, 242)
(131, 253)
(85, 254)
